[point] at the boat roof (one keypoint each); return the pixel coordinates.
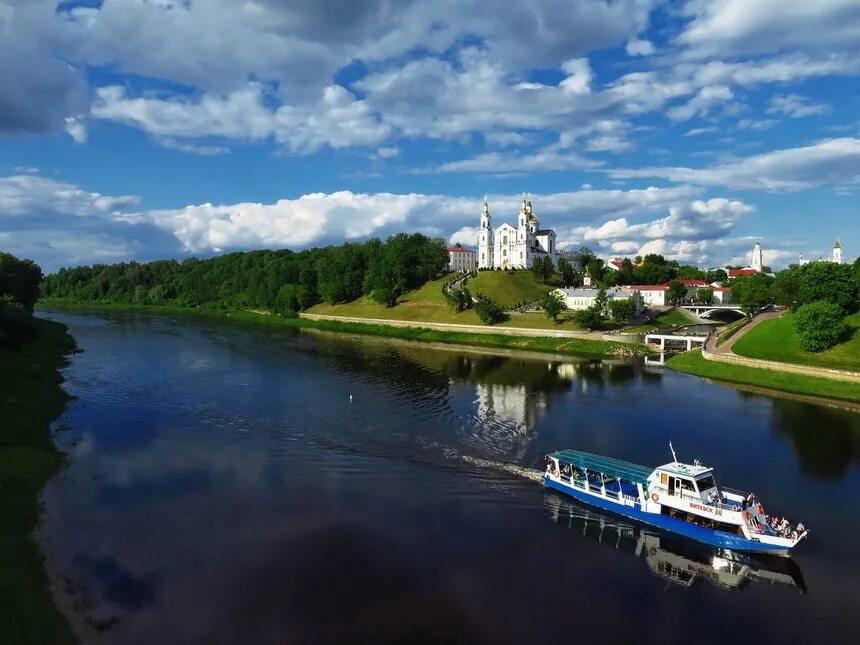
(607, 465)
(689, 470)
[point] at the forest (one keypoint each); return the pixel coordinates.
(282, 281)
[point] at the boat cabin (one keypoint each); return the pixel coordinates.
(688, 481)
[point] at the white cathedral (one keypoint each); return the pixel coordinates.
(506, 247)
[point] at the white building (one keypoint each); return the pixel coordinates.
(653, 295)
(837, 252)
(757, 258)
(461, 259)
(506, 247)
(579, 299)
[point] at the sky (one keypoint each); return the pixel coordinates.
(147, 129)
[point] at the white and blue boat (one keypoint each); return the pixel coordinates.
(676, 497)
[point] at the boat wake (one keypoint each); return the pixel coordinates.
(531, 474)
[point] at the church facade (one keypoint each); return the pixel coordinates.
(506, 247)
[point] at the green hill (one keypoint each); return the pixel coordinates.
(510, 288)
(775, 340)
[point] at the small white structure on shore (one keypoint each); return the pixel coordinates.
(461, 259)
(579, 299)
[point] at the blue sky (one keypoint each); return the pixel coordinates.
(143, 129)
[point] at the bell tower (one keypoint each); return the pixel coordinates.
(485, 239)
(757, 262)
(837, 252)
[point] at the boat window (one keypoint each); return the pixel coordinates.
(706, 482)
(686, 484)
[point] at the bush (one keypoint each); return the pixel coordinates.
(705, 295)
(489, 311)
(590, 318)
(458, 299)
(553, 304)
(622, 310)
(819, 325)
(16, 322)
(382, 296)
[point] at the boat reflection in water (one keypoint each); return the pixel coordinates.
(680, 561)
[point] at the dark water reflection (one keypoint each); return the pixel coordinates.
(232, 485)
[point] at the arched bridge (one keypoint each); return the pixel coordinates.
(707, 311)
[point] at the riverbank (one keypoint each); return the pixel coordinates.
(30, 399)
(588, 348)
(694, 363)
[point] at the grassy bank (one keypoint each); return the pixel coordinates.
(510, 288)
(694, 363)
(672, 318)
(776, 340)
(572, 346)
(30, 399)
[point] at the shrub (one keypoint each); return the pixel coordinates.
(383, 296)
(553, 304)
(489, 311)
(705, 294)
(622, 310)
(819, 325)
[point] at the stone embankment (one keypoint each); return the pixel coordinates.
(724, 354)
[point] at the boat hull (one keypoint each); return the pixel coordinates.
(708, 536)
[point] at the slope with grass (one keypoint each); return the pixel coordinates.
(31, 399)
(673, 318)
(427, 304)
(694, 363)
(776, 340)
(510, 288)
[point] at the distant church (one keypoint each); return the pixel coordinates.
(506, 247)
(836, 257)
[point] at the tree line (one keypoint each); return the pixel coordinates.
(19, 291)
(282, 281)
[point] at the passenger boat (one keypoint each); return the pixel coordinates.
(677, 497)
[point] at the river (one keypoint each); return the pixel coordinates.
(241, 484)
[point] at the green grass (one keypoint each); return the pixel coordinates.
(694, 363)
(731, 329)
(776, 340)
(30, 399)
(672, 318)
(572, 346)
(510, 288)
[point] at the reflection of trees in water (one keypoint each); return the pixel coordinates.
(827, 441)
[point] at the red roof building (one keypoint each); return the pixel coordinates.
(734, 273)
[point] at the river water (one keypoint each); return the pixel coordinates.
(235, 484)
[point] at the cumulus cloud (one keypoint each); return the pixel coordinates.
(639, 47)
(337, 119)
(38, 91)
(829, 162)
(738, 27)
(702, 103)
(29, 194)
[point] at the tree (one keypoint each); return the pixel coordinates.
(819, 325)
(752, 292)
(553, 304)
(690, 272)
(653, 270)
(20, 280)
(677, 291)
(717, 275)
(786, 286)
(596, 269)
(828, 281)
(622, 310)
(542, 267)
(705, 295)
(566, 272)
(489, 311)
(458, 299)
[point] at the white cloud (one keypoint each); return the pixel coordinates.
(695, 132)
(387, 153)
(758, 125)
(193, 148)
(467, 236)
(501, 163)
(337, 120)
(702, 103)
(833, 161)
(795, 106)
(22, 195)
(738, 27)
(639, 47)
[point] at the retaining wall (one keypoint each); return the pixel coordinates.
(794, 368)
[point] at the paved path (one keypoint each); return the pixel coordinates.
(726, 347)
(724, 354)
(468, 329)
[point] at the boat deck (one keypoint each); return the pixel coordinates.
(617, 468)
